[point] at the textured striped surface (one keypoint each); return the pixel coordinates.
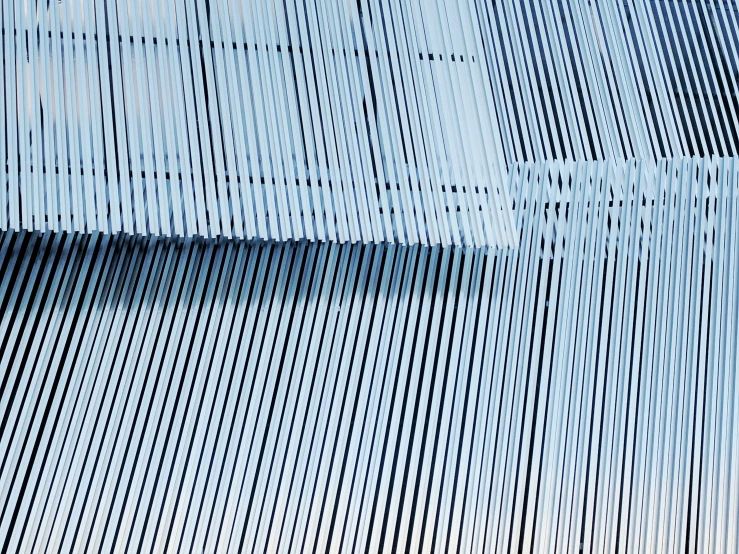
(614, 79)
(579, 390)
(578, 393)
(279, 121)
(384, 120)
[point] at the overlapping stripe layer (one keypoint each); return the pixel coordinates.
(323, 120)
(578, 392)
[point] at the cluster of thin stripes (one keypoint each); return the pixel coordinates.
(160, 396)
(318, 120)
(618, 407)
(614, 79)
(577, 393)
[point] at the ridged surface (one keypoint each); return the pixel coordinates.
(576, 393)
(579, 392)
(584, 80)
(247, 119)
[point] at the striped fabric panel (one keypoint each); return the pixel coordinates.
(329, 121)
(644, 79)
(577, 393)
